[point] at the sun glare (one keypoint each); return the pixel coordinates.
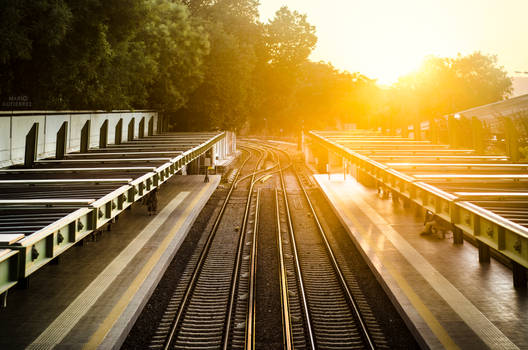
(390, 40)
(385, 39)
(385, 61)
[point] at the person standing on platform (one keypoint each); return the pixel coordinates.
(206, 178)
(152, 202)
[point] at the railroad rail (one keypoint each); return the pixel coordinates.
(214, 304)
(47, 209)
(319, 309)
(211, 308)
(483, 197)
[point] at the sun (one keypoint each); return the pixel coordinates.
(381, 39)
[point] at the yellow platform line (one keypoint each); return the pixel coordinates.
(105, 327)
(468, 312)
(68, 318)
(433, 323)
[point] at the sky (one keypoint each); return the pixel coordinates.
(384, 39)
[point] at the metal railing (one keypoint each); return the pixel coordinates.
(494, 231)
(21, 257)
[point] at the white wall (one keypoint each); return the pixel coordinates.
(5, 138)
(14, 127)
(20, 126)
(75, 126)
(225, 148)
(53, 123)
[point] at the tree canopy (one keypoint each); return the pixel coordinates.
(212, 64)
(100, 53)
(446, 85)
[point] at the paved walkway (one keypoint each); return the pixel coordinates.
(94, 296)
(450, 299)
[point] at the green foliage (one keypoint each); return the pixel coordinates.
(178, 46)
(225, 98)
(211, 64)
(66, 54)
(319, 97)
(290, 38)
(28, 24)
(221, 101)
(446, 85)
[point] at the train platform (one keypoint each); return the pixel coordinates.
(447, 298)
(92, 298)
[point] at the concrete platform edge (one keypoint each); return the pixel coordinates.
(118, 333)
(423, 335)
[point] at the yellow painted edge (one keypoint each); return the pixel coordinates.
(435, 326)
(422, 309)
(107, 324)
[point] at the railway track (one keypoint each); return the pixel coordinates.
(213, 306)
(320, 310)
(204, 310)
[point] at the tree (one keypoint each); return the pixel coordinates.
(214, 65)
(290, 38)
(178, 45)
(225, 97)
(446, 85)
(288, 41)
(28, 24)
(100, 54)
(27, 28)
(480, 80)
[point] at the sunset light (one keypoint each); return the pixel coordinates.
(385, 39)
(264, 174)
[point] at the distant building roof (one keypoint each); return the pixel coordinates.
(515, 107)
(501, 108)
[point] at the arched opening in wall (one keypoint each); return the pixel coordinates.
(119, 132)
(103, 135)
(141, 131)
(62, 137)
(85, 137)
(30, 155)
(131, 129)
(151, 126)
